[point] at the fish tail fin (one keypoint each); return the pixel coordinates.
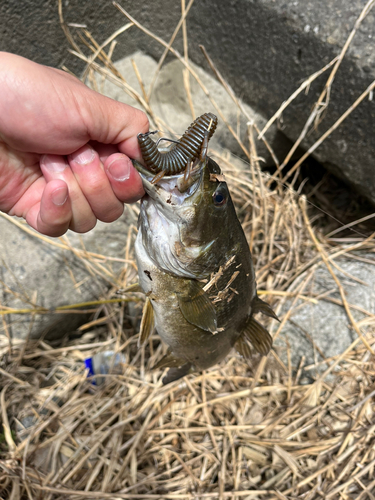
(169, 360)
(178, 367)
(258, 305)
(177, 373)
(258, 336)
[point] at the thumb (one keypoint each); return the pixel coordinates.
(48, 111)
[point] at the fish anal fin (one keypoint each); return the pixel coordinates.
(258, 305)
(147, 322)
(169, 361)
(243, 347)
(197, 308)
(258, 336)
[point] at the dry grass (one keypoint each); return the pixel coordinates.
(211, 436)
(235, 431)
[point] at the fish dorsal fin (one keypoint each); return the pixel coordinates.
(169, 361)
(258, 336)
(258, 305)
(147, 322)
(197, 308)
(243, 347)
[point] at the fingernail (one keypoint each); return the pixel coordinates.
(59, 196)
(53, 163)
(83, 156)
(119, 169)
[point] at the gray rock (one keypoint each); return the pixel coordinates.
(268, 48)
(36, 273)
(324, 329)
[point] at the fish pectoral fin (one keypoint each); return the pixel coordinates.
(147, 322)
(258, 305)
(197, 308)
(169, 361)
(243, 347)
(258, 336)
(177, 373)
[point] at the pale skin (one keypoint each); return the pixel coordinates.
(64, 149)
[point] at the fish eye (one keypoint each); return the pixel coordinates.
(220, 196)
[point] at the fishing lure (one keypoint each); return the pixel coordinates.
(186, 150)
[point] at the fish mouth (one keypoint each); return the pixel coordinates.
(171, 190)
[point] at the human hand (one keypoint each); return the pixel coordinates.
(64, 149)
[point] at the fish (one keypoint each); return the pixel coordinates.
(195, 268)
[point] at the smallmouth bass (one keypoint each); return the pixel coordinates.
(195, 267)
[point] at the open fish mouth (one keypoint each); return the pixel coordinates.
(171, 190)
